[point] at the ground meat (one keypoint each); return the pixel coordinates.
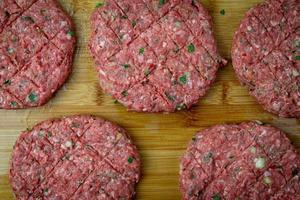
(36, 51)
(245, 161)
(154, 56)
(79, 157)
(265, 55)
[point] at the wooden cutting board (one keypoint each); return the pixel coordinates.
(161, 138)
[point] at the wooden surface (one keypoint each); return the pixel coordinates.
(161, 138)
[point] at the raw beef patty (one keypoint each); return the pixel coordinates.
(36, 49)
(79, 157)
(245, 161)
(266, 54)
(154, 56)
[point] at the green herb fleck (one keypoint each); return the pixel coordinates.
(50, 134)
(207, 157)
(222, 12)
(126, 66)
(267, 180)
(260, 163)
(124, 17)
(7, 82)
(142, 50)
(183, 79)
(28, 18)
(98, 5)
(15, 39)
(13, 104)
(297, 57)
(46, 191)
(216, 197)
(191, 48)
(170, 97)
(147, 72)
(194, 139)
(41, 133)
(297, 44)
(116, 101)
(43, 11)
(130, 159)
(125, 93)
(253, 150)
(70, 33)
(10, 50)
(32, 97)
(133, 23)
(180, 106)
(162, 2)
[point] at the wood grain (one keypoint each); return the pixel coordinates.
(161, 138)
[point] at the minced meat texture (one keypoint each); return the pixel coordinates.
(265, 55)
(37, 41)
(245, 161)
(154, 56)
(79, 157)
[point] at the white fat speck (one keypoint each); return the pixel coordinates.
(273, 23)
(149, 61)
(260, 163)
(142, 97)
(295, 73)
(264, 132)
(102, 43)
(258, 122)
(276, 106)
(257, 46)
(194, 21)
(164, 44)
(298, 103)
(125, 37)
(102, 72)
(69, 37)
(140, 58)
(267, 173)
(63, 23)
(1, 99)
(249, 28)
(69, 144)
